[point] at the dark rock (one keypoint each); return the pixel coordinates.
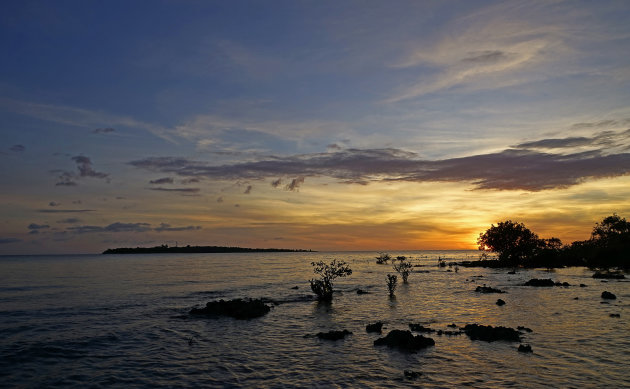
(451, 333)
(576, 298)
(333, 335)
(238, 309)
(487, 289)
(412, 375)
(420, 328)
(490, 334)
(525, 348)
(512, 272)
(607, 295)
(500, 302)
(614, 315)
(376, 327)
(296, 287)
(583, 285)
(540, 282)
(613, 275)
(361, 291)
(453, 325)
(524, 329)
(405, 341)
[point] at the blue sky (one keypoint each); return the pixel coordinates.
(309, 124)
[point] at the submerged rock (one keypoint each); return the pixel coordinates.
(540, 282)
(404, 341)
(524, 329)
(376, 327)
(615, 315)
(500, 302)
(452, 325)
(490, 334)
(583, 285)
(613, 275)
(238, 309)
(333, 335)
(412, 375)
(607, 295)
(361, 291)
(488, 289)
(420, 328)
(525, 348)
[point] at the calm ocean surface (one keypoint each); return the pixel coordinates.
(121, 321)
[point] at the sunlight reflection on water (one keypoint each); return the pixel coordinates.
(121, 320)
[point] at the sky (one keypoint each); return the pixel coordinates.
(345, 125)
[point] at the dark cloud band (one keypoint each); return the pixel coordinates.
(512, 169)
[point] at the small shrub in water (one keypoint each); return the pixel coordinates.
(323, 287)
(391, 283)
(383, 258)
(404, 268)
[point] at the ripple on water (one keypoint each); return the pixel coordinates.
(98, 330)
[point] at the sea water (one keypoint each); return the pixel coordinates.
(122, 321)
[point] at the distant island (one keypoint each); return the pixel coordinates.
(196, 249)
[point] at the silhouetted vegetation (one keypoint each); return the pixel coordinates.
(323, 287)
(383, 258)
(391, 284)
(403, 267)
(516, 245)
(195, 249)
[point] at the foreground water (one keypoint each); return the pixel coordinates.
(121, 321)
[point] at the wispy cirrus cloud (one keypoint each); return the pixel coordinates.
(607, 142)
(523, 167)
(65, 210)
(119, 227)
(105, 130)
(80, 117)
(164, 180)
(176, 190)
(500, 45)
(35, 228)
(167, 227)
(9, 240)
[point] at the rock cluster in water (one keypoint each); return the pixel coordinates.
(412, 375)
(488, 289)
(609, 275)
(420, 328)
(491, 334)
(333, 335)
(545, 282)
(238, 309)
(376, 327)
(404, 341)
